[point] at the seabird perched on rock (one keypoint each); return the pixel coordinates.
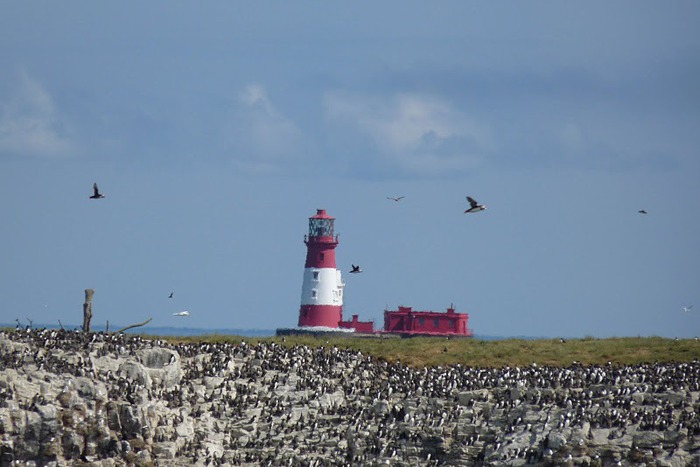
(182, 313)
(96, 192)
(474, 206)
(355, 269)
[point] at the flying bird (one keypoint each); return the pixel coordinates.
(642, 211)
(474, 206)
(182, 313)
(687, 308)
(96, 192)
(396, 198)
(355, 269)
(171, 295)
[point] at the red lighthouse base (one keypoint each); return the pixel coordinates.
(320, 315)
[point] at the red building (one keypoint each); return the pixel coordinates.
(363, 327)
(407, 322)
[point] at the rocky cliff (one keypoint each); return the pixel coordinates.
(70, 398)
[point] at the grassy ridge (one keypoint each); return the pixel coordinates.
(424, 351)
(433, 351)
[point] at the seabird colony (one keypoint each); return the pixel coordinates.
(69, 396)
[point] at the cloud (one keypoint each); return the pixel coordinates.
(590, 145)
(30, 124)
(571, 139)
(264, 138)
(415, 133)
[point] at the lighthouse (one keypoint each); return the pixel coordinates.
(322, 289)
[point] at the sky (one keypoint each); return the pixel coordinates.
(216, 129)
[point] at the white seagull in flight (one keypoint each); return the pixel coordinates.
(182, 313)
(687, 308)
(396, 198)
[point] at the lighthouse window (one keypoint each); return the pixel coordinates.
(314, 293)
(315, 275)
(321, 256)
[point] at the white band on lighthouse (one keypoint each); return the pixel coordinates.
(322, 286)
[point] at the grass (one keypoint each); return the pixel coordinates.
(430, 351)
(433, 351)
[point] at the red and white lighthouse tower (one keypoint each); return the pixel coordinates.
(322, 290)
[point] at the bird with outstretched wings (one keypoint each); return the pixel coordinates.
(96, 192)
(474, 206)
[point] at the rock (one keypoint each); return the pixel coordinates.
(113, 421)
(647, 439)
(162, 365)
(68, 397)
(72, 444)
(7, 455)
(135, 373)
(165, 450)
(556, 441)
(129, 420)
(89, 389)
(466, 397)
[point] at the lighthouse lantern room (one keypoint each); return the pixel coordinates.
(322, 289)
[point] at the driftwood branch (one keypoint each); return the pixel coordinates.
(134, 326)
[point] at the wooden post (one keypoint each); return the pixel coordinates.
(87, 309)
